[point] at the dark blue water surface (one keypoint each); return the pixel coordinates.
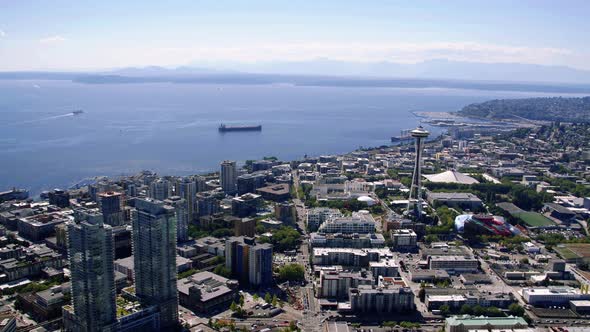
(172, 128)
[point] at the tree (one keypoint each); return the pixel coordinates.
(255, 297)
(431, 238)
(466, 309)
(241, 300)
(479, 310)
(233, 307)
(445, 310)
(222, 271)
(275, 300)
(494, 312)
(267, 298)
(516, 310)
(292, 272)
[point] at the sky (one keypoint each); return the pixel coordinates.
(108, 34)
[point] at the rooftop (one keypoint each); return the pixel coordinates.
(451, 176)
(482, 320)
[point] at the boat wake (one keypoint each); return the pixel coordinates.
(49, 118)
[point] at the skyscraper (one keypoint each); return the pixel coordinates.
(91, 254)
(228, 177)
(159, 189)
(111, 208)
(182, 219)
(415, 199)
(154, 250)
(187, 189)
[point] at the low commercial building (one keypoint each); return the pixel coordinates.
(429, 275)
(581, 307)
(460, 200)
(475, 278)
(553, 296)
(468, 323)
(359, 222)
(453, 264)
(210, 245)
(31, 263)
(339, 240)
(381, 299)
(349, 257)
(471, 298)
(276, 192)
(38, 227)
(45, 305)
(205, 292)
(317, 216)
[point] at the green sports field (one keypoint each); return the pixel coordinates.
(535, 219)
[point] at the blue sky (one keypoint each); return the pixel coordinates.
(78, 35)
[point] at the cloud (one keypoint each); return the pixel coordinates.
(52, 39)
(2, 33)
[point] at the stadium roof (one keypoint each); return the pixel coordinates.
(451, 176)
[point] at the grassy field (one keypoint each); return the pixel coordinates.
(580, 249)
(566, 253)
(535, 219)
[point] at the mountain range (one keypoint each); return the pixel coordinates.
(432, 69)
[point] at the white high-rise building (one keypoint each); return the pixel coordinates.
(228, 177)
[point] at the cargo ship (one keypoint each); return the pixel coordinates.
(225, 128)
(78, 112)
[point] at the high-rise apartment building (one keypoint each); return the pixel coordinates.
(111, 204)
(182, 218)
(228, 177)
(154, 251)
(91, 254)
(207, 204)
(249, 261)
(159, 189)
(187, 189)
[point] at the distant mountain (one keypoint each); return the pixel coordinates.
(432, 69)
(152, 71)
(547, 109)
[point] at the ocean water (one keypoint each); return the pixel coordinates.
(172, 128)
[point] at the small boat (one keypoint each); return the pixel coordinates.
(225, 128)
(78, 112)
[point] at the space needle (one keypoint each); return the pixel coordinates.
(415, 199)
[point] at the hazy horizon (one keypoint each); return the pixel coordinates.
(62, 35)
